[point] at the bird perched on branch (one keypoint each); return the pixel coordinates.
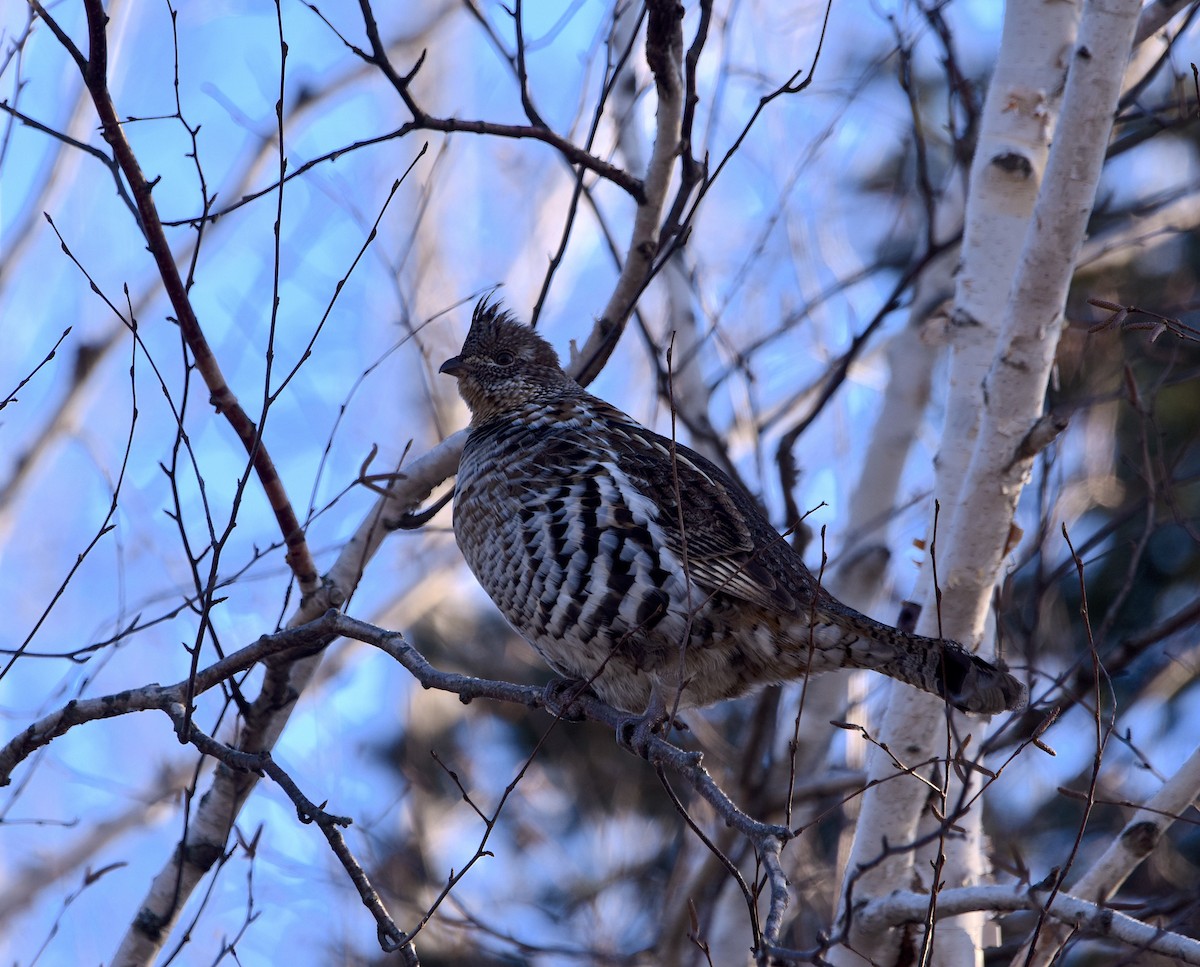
(634, 565)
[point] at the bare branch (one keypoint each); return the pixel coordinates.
(94, 70)
(664, 53)
(900, 908)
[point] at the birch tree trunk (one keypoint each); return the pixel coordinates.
(1018, 259)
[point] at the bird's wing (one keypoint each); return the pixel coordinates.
(707, 520)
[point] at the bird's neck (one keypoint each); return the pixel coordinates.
(567, 409)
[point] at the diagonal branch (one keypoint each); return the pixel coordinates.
(286, 679)
(1128, 849)
(664, 53)
(767, 839)
(95, 75)
(905, 907)
(537, 130)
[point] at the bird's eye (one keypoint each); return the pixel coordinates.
(505, 358)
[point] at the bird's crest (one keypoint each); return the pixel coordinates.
(504, 365)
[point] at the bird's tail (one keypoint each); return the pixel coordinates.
(847, 639)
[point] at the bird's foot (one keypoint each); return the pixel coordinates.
(559, 697)
(636, 732)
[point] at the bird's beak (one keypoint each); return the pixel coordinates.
(454, 366)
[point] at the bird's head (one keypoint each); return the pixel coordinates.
(504, 364)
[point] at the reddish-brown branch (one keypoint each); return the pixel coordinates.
(95, 75)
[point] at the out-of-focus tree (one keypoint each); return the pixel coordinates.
(918, 281)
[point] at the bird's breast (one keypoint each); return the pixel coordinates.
(567, 546)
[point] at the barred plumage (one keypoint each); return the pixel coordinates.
(634, 563)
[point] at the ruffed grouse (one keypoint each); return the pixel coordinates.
(632, 563)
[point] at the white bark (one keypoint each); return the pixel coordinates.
(911, 355)
(644, 240)
(1019, 115)
(1005, 177)
(1014, 388)
(1134, 843)
(906, 907)
(1021, 301)
(1156, 15)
